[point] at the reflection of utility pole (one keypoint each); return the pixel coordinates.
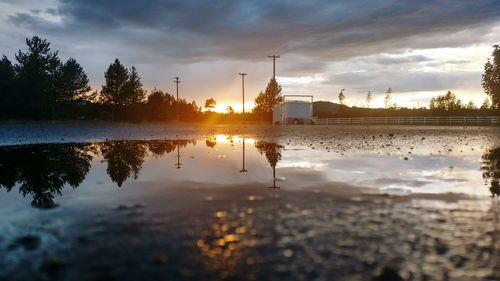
(274, 179)
(274, 57)
(177, 81)
(243, 94)
(243, 170)
(178, 164)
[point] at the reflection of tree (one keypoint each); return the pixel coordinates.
(124, 159)
(211, 142)
(160, 147)
(273, 154)
(42, 170)
(491, 170)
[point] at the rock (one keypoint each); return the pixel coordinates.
(28, 242)
(388, 273)
(52, 265)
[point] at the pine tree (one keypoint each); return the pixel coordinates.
(266, 101)
(113, 92)
(133, 91)
(36, 72)
(7, 97)
(73, 81)
(491, 78)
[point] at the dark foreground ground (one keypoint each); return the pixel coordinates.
(126, 218)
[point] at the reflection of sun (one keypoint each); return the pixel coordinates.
(221, 138)
(227, 243)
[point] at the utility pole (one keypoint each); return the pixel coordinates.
(243, 89)
(178, 164)
(274, 57)
(243, 159)
(177, 81)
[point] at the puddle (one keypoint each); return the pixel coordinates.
(248, 208)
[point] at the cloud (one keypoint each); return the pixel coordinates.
(247, 30)
(359, 45)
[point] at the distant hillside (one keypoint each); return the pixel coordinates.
(327, 109)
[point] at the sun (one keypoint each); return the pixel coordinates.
(220, 108)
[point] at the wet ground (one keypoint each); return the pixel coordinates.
(130, 202)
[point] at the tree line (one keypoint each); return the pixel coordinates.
(40, 86)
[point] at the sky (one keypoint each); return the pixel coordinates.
(419, 49)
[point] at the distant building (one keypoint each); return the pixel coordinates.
(293, 112)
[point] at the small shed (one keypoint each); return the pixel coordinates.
(293, 111)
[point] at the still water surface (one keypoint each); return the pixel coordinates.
(245, 208)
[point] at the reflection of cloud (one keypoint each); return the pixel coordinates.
(399, 182)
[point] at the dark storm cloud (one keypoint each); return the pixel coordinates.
(321, 29)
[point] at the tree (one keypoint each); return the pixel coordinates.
(7, 76)
(73, 81)
(342, 97)
(486, 104)
(36, 72)
(133, 91)
(446, 102)
(388, 99)
(160, 105)
(267, 100)
(210, 103)
(368, 99)
(230, 109)
(491, 78)
(470, 105)
(114, 91)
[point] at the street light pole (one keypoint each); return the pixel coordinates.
(177, 81)
(243, 90)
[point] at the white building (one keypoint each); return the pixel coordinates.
(293, 111)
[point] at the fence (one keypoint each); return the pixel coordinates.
(451, 120)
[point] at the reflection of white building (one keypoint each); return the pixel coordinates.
(293, 111)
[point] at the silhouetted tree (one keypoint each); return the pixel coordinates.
(266, 101)
(388, 100)
(368, 99)
(133, 91)
(446, 102)
(42, 170)
(7, 97)
(210, 103)
(160, 105)
(470, 105)
(491, 170)
(73, 81)
(113, 92)
(342, 97)
(486, 104)
(36, 71)
(491, 77)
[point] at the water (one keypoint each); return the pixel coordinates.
(295, 203)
